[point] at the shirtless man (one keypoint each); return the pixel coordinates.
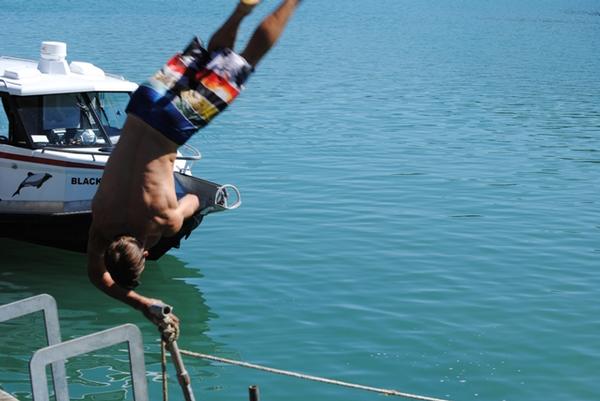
(136, 204)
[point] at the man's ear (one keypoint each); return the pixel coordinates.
(146, 253)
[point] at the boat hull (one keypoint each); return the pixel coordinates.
(46, 196)
(70, 231)
(65, 231)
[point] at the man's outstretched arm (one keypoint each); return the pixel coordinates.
(102, 279)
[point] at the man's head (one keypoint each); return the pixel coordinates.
(124, 259)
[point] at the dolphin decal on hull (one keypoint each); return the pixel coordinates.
(33, 180)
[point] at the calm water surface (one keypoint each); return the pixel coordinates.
(421, 212)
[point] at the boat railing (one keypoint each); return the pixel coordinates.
(187, 153)
(2, 81)
(115, 76)
(190, 155)
(82, 345)
(92, 153)
(57, 352)
(17, 59)
(47, 305)
(194, 154)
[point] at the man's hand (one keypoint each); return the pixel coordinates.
(168, 324)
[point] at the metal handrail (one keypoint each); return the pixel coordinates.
(116, 76)
(92, 153)
(82, 345)
(57, 352)
(67, 150)
(194, 157)
(17, 59)
(47, 304)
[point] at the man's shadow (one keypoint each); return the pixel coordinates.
(27, 270)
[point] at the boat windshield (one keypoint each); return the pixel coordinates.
(87, 119)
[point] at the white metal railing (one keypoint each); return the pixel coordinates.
(92, 153)
(193, 155)
(82, 345)
(57, 352)
(47, 305)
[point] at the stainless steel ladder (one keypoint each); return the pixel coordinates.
(57, 352)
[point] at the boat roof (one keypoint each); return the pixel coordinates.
(52, 75)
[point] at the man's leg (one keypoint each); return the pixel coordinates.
(269, 31)
(225, 36)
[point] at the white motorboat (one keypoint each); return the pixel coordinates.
(58, 125)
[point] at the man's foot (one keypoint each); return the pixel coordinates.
(246, 6)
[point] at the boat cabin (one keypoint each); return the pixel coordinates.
(50, 103)
(68, 120)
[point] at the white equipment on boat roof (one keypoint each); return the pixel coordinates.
(52, 74)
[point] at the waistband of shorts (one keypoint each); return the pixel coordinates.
(161, 114)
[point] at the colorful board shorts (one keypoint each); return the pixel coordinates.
(190, 90)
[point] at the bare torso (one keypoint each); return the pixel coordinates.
(137, 193)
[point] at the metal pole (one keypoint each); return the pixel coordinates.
(162, 311)
(47, 304)
(254, 393)
(86, 344)
(182, 375)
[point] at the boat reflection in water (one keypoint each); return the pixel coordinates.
(27, 270)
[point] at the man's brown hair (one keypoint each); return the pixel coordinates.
(124, 259)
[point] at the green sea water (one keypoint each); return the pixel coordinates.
(420, 204)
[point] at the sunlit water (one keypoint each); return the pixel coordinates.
(420, 184)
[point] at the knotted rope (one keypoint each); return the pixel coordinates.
(169, 330)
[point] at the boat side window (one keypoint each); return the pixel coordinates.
(65, 120)
(28, 111)
(18, 121)
(60, 120)
(110, 108)
(4, 123)
(60, 112)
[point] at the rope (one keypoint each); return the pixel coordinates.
(308, 377)
(163, 366)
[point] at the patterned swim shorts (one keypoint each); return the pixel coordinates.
(190, 90)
